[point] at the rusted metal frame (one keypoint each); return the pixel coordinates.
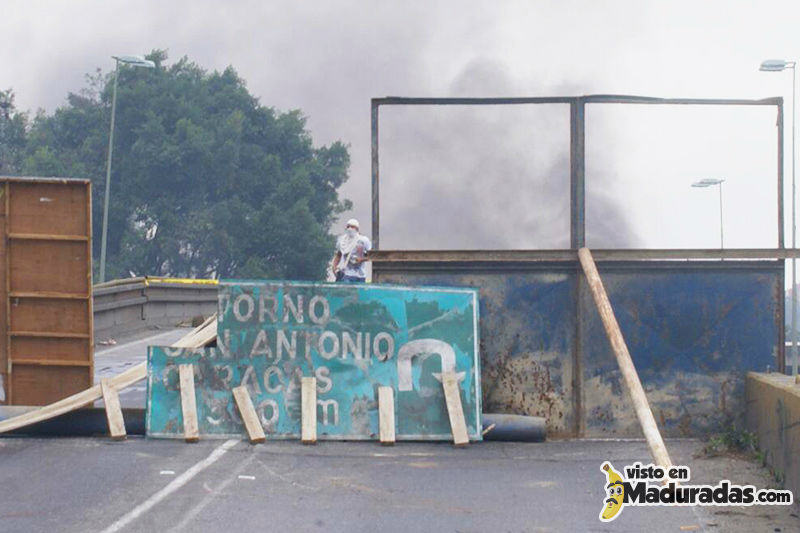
(577, 173)
(400, 100)
(375, 175)
(522, 256)
(779, 124)
(569, 267)
(577, 142)
(591, 98)
(632, 99)
(577, 226)
(780, 320)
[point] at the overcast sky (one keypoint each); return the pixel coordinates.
(489, 177)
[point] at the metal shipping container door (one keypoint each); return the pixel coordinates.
(46, 352)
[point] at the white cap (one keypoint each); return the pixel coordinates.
(352, 222)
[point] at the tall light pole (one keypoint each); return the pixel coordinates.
(135, 61)
(778, 65)
(708, 182)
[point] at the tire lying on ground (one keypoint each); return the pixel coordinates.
(516, 428)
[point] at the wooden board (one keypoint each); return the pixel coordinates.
(48, 208)
(248, 413)
(308, 407)
(455, 411)
(635, 390)
(34, 384)
(203, 335)
(54, 349)
(116, 423)
(46, 284)
(49, 314)
(386, 415)
(188, 404)
(76, 401)
(48, 266)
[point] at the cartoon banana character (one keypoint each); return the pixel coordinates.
(616, 493)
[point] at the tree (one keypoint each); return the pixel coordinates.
(13, 128)
(205, 180)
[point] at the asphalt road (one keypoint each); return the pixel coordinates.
(111, 360)
(95, 484)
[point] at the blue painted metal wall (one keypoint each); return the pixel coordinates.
(693, 329)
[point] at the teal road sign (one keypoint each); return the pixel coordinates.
(353, 338)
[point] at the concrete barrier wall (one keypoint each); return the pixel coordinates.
(773, 414)
(128, 306)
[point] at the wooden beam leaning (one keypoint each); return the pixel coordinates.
(116, 423)
(455, 411)
(386, 415)
(188, 404)
(92, 394)
(248, 413)
(308, 408)
(640, 404)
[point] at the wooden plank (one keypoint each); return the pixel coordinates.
(40, 314)
(46, 237)
(455, 411)
(49, 334)
(45, 208)
(57, 266)
(49, 362)
(7, 302)
(248, 413)
(199, 337)
(308, 408)
(49, 348)
(89, 294)
(116, 423)
(76, 401)
(4, 345)
(640, 404)
(41, 385)
(188, 404)
(386, 415)
(50, 295)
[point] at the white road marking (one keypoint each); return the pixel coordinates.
(212, 493)
(174, 485)
(251, 478)
(167, 472)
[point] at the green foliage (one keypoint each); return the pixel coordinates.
(205, 180)
(13, 128)
(732, 440)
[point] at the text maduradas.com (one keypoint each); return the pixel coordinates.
(647, 490)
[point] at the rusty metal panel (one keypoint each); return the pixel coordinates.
(526, 331)
(693, 332)
(352, 338)
(693, 328)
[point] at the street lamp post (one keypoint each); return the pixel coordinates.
(135, 61)
(778, 65)
(708, 182)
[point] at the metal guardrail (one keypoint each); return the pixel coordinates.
(128, 305)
